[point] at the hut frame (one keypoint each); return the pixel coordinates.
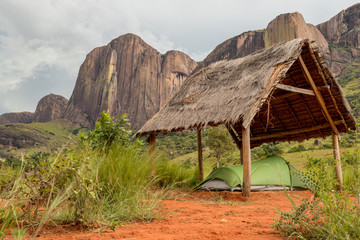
(283, 93)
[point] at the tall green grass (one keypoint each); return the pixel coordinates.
(330, 214)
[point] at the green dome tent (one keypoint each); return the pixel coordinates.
(272, 173)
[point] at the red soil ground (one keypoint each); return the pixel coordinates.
(199, 215)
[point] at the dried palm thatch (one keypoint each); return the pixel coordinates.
(246, 91)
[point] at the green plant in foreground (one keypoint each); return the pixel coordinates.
(330, 214)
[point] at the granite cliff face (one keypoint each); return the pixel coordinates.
(126, 76)
(343, 35)
(50, 107)
(16, 117)
(283, 28)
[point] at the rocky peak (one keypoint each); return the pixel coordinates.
(343, 28)
(126, 76)
(284, 27)
(343, 34)
(50, 107)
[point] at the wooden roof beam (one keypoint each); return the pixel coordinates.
(326, 86)
(295, 89)
(318, 95)
(308, 108)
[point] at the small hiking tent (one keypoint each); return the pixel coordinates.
(272, 173)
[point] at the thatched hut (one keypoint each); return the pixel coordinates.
(282, 93)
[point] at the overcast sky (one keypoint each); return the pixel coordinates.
(44, 42)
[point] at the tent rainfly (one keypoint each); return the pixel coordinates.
(282, 93)
(272, 173)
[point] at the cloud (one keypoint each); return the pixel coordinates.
(45, 40)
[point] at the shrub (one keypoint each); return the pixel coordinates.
(298, 148)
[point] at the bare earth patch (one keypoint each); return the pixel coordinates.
(199, 215)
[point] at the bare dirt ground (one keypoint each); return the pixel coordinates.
(199, 215)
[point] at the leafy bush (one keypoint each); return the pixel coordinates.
(220, 142)
(298, 148)
(266, 150)
(108, 131)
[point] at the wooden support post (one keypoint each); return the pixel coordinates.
(200, 155)
(336, 150)
(246, 153)
(152, 143)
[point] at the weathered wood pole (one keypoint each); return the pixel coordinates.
(246, 157)
(200, 155)
(336, 151)
(152, 145)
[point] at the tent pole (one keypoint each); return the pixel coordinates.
(246, 156)
(336, 151)
(200, 155)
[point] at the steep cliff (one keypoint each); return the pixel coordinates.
(343, 34)
(50, 107)
(283, 28)
(16, 117)
(126, 76)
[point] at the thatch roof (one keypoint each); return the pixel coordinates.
(246, 91)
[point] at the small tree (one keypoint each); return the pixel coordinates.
(220, 142)
(110, 130)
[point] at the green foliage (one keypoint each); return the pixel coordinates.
(330, 214)
(178, 143)
(298, 148)
(85, 185)
(175, 175)
(266, 150)
(220, 142)
(108, 131)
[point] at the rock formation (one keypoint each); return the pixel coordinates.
(126, 76)
(284, 27)
(16, 117)
(50, 107)
(343, 35)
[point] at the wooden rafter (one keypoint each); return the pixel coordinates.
(307, 107)
(318, 95)
(294, 116)
(295, 89)
(326, 86)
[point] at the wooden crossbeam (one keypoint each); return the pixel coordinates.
(296, 131)
(295, 89)
(318, 95)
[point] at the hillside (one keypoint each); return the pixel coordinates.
(19, 139)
